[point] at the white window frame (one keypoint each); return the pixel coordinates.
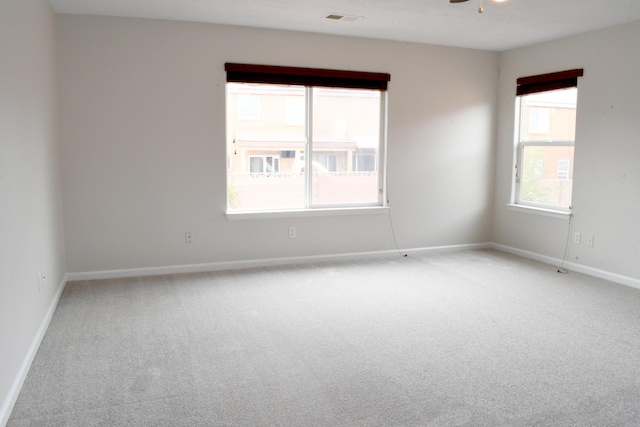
(520, 161)
(326, 78)
(520, 146)
(308, 149)
(309, 158)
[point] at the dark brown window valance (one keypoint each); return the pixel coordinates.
(551, 81)
(247, 73)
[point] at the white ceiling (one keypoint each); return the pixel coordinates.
(502, 26)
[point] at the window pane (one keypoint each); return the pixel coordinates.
(295, 110)
(547, 133)
(248, 107)
(345, 121)
(364, 162)
(563, 169)
(549, 116)
(259, 176)
(541, 178)
(539, 119)
(255, 164)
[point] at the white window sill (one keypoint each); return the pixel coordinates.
(539, 211)
(302, 213)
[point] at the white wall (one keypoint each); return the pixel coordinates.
(31, 235)
(142, 127)
(606, 197)
(142, 132)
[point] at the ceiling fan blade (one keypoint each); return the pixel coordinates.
(457, 1)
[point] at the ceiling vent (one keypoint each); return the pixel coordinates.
(339, 17)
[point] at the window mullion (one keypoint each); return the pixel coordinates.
(519, 170)
(308, 147)
(559, 143)
(381, 165)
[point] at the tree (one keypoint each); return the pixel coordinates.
(532, 189)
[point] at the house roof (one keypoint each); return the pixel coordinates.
(294, 139)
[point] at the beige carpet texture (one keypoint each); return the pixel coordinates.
(466, 338)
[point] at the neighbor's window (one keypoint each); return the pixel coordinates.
(264, 164)
(248, 108)
(314, 138)
(563, 169)
(546, 139)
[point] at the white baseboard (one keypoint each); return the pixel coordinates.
(434, 249)
(578, 268)
(21, 376)
(14, 392)
(264, 262)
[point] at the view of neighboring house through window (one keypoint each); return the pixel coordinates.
(248, 107)
(364, 162)
(546, 139)
(563, 169)
(303, 146)
(264, 164)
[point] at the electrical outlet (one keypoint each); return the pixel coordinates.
(576, 238)
(590, 240)
(188, 237)
(292, 232)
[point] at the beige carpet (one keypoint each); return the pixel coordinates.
(473, 338)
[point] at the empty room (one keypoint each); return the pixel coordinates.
(330, 213)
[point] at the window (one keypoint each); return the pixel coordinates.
(248, 108)
(364, 162)
(563, 169)
(539, 119)
(264, 164)
(546, 137)
(327, 161)
(295, 111)
(325, 127)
